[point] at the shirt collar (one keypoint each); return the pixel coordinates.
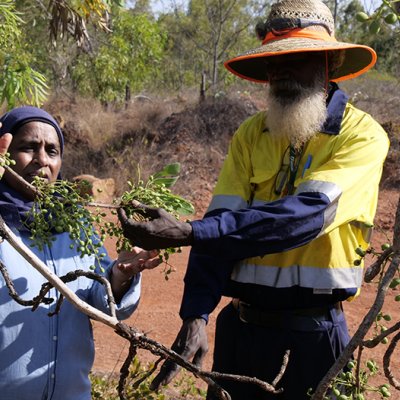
(336, 104)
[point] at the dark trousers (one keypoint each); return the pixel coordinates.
(257, 351)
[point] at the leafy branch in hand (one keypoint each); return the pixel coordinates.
(64, 206)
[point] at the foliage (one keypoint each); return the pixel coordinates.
(382, 33)
(19, 82)
(353, 384)
(63, 206)
(128, 57)
(205, 35)
(22, 81)
(138, 386)
(154, 193)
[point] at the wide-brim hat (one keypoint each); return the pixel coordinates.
(298, 26)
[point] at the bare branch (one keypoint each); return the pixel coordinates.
(13, 293)
(29, 256)
(373, 270)
(386, 362)
(369, 318)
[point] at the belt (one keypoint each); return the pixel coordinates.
(296, 319)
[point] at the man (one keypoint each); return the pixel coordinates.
(296, 196)
(43, 357)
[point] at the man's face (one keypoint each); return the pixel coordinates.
(289, 74)
(296, 96)
(37, 152)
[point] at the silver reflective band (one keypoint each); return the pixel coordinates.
(307, 277)
(227, 201)
(330, 190)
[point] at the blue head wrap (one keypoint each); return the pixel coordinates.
(14, 119)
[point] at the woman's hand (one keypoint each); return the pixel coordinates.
(5, 141)
(128, 264)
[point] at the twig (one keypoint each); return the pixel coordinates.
(124, 372)
(26, 185)
(13, 293)
(369, 318)
(92, 312)
(375, 268)
(386, 362)
(208, 377)
(283, 368)
(377, 339)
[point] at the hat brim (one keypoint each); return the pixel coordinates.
(358, 58)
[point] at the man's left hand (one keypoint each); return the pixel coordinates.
(160, 231)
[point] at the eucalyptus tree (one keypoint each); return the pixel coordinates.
(19, 81)
(23, 78)
(208, 32)
(128, 58)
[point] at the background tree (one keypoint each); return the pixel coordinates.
(19, 80)
(208, 33)
(127, 58)
(22, 80)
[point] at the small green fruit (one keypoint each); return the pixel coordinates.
(395, 282)
(370, 365)
(360, 252)
(391, 18)
(59, 228)
(375, 27)
(362, 16)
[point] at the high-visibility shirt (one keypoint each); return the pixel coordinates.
(282, 244)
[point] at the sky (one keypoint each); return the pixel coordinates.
(159, 6)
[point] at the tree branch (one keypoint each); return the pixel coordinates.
(369, 318)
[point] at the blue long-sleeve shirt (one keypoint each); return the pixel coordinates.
(44, 357)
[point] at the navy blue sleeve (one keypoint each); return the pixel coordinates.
(205, 280)
(224, 237)
(269, 228)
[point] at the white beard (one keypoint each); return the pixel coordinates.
(295, 112)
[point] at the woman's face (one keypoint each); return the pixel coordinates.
(36, 149)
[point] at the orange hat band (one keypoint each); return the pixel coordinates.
(300, 33)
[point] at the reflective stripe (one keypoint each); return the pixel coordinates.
(332, 191)
(229, 202)
(329, 189)
(308, 277)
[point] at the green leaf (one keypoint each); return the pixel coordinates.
(172, 169)
(167, 182)
(185, 209)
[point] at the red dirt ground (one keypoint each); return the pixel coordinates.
(157, 314)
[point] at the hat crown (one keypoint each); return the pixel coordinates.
(308, 10)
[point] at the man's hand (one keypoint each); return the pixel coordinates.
(162, 230)
(5, 141)
(191, 343)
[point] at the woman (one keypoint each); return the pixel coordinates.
(44, 357)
